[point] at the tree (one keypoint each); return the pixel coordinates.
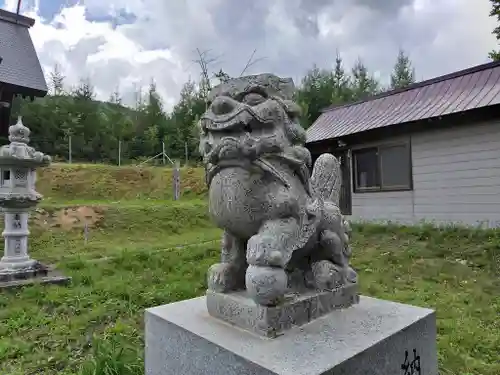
(362, 83)
(84, 90)
(115, 97)
(57, 81)
(205, 84)
(154, 115)
(315, 93)
(222, 76)
(341, 83)
(183, 119)
(403, 73)
(495, 12)
(321, 88)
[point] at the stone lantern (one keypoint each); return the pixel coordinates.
(18, 164)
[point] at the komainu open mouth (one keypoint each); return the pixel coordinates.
(242, 116)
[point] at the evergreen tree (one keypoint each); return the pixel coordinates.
(154, 115)
(315, 94)
(183, 119)
(85, 90)
(57, 81)
(342, 92)
(495, 12)
(115, 97)
(403, 73)
(138, 98)
(362, 83)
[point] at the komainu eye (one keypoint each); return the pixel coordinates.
(253, 98)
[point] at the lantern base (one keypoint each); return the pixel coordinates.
(15, 264)
(37, 273)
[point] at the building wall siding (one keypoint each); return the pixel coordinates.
(456, 179)
(392, 206)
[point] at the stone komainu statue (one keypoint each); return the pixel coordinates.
(283, 229)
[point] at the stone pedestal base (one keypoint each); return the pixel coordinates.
(36, 273)
(240, 310)
(373, 337)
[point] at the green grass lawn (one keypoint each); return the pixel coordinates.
(142, 255)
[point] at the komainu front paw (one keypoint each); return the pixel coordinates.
(224, 277)
(261, 251)
(326, 275)
(332, 242)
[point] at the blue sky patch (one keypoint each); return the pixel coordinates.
(50, 8)
(122, 18)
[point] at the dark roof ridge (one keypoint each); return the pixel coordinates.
(19, 19)
(463, 72)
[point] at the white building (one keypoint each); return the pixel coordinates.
(429, 152)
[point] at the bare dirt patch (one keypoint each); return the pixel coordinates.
(68, 218)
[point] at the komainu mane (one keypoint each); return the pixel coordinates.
(283, 230)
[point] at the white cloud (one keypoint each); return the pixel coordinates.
(111, 59)
(161, 38)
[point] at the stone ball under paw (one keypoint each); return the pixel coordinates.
(351, 275)
(266, 285)
(347, 226)
(347, 251)
(345, 238)
(331, 239)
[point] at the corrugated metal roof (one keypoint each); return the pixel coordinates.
(20, 65)
(456, 92)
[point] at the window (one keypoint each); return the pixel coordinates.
(382, 168)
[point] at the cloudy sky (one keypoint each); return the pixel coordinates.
(124, 43)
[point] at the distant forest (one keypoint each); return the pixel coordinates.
(100, 131)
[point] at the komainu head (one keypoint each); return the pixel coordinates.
(248, 110)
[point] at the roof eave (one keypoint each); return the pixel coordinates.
(25, 91)
(469, 116)
(19, 19)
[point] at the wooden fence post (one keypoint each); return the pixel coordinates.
(177, 180)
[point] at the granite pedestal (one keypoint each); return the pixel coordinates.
(374, 337)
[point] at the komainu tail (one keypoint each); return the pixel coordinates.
(326, 178)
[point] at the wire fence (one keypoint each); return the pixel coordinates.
(118, 152)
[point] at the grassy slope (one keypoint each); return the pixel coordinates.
(76, 183)
(133, 261)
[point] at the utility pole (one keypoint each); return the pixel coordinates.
(69, 149)
(18, 7)
(177, 180)
(119, 152)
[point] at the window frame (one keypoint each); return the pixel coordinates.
(380, 188)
